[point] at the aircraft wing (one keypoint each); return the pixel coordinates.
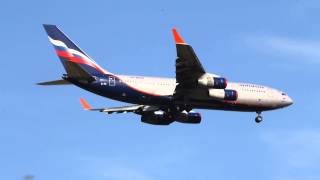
(188, 67)
(123, 109)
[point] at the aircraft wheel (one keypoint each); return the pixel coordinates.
(258, 119)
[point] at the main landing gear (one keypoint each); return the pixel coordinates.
(259, 117)
(187, 108)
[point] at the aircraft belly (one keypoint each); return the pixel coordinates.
(243, 103)
(228, 106)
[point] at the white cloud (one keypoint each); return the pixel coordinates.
(303, 50)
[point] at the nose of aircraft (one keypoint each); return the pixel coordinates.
(285, 100)
(288, 101)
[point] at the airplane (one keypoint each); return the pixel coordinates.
(161, 101)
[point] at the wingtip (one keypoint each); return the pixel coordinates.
(177, 38)
(85, 105)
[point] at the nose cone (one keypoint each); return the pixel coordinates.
(285, 100)
(289, 101)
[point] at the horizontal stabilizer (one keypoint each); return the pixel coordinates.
(55, 82)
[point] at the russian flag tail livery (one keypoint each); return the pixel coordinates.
(76, 62)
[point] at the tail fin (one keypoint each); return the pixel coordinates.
(75, 61)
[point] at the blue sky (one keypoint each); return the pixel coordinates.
(44, 131)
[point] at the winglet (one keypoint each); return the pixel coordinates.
(177, 38)
(85, 105)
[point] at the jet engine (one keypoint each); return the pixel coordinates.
(223, 94)
(209, 81)
(190, 118)
(163, 118)
(156, 118)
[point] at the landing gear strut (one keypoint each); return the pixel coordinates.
(184, 107)
(259, 117)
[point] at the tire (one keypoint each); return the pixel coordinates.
(258, 119)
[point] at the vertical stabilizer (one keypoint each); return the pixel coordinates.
(76, 62)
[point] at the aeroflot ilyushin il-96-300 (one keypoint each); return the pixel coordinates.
(161, 101)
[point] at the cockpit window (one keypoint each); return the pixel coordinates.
(284, 94)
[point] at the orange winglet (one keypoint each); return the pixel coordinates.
(177, 38)
(85, 105)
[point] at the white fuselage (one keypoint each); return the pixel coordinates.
(250, 95)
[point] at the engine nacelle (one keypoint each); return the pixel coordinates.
(209, 81)
(191, 117)
(156, 118)
(162, 118)
(223, 94)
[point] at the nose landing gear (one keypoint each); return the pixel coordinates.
(259, 118)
